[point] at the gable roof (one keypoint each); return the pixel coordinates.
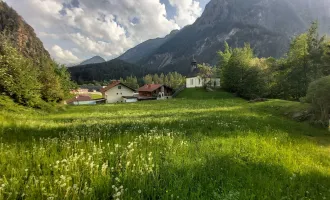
(151, 87)
(114, 84)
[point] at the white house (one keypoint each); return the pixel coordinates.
(118, 92)
(198, 82)
(194, 82)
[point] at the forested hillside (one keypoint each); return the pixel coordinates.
(27, 73)
(94, 60)
(106, 71)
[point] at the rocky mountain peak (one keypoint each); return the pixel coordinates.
(268, 25)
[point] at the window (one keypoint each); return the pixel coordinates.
(199, 81)
(191, 81)
(119, 87)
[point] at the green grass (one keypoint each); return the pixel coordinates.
(198, 146)
(96, 96)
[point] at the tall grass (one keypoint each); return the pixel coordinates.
(193, 147)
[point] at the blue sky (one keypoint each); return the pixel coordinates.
(75, 30)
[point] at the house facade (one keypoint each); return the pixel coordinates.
(156, 91)
(194, 82)
(198, 82)
(118, 92)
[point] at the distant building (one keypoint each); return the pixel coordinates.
(81, 100)
(80, 91)
(118, 92)
(196, 81)
(155, 91)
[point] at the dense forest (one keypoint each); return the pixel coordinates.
(172, 79)
(106, 71)
(27, 74)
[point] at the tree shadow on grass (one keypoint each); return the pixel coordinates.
(226, 177)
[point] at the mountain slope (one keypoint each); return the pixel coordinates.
(21, 34)
(28, 75)
(268, 25)
(94, 60)
(113, 69)
(145, 49)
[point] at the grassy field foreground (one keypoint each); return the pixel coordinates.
(198, 146)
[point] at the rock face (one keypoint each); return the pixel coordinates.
(268, 25)
(94, 60)
(21, 34)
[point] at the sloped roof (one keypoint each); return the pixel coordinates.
(114, 84)
(79, 98)
(149, 87)
(152, 87)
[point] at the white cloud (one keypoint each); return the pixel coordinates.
(65, 56)
(48, 35)
(187, 11)
(103, 27)
(99, 47)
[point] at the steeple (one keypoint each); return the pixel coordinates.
(193, 65)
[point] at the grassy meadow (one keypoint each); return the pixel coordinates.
(198, 146)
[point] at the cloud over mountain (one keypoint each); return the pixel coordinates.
(81, 28)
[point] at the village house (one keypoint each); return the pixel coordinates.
(118, 92)
(81, 100)
(155, 91)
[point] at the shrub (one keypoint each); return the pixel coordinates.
(30, 84)
(318, 95)
(244, 74)
(18, 77)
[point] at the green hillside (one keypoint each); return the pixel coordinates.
(192, 147)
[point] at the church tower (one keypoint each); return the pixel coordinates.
(193, 65)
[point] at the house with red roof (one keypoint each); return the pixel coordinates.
(117, 92)
(81, 100)
(155, 91)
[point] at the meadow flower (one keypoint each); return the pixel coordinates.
(139, 191)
